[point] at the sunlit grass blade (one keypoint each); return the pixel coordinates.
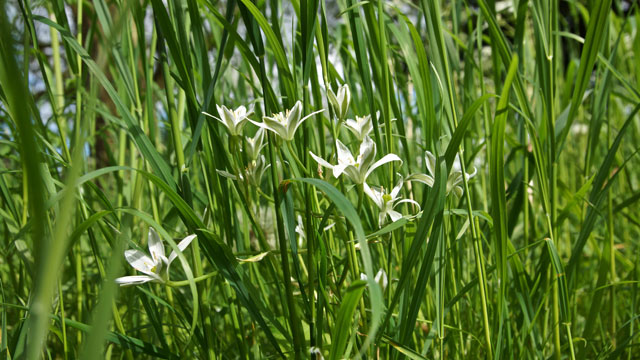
(498, 197)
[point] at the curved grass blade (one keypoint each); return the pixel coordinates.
(277, 48)
(458, 134)
(345, 207)
(593, 41)
(430, 224)
(217, 253)
(598, 193)
(498, 196)
(344, 321)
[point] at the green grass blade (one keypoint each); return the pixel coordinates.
(498, 198)
(342, 327)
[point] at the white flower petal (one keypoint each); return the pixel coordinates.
(394, 215)
(381, 216)
(134, 280)
(292, 131)
(354, 174)
(239, 125)
(227, 174)
(294, 115)
(385, 159)
(332, 98)
(181, 246)
(423, 178)
(339, 169)
(469, 176)
(217, 118)
(454, 179)
(396, 189)
(430, 161)
(344, 155)
(300, 231)
(240, 113)
(353, 126)
(328, 227)
(407, 201)
(228, 117)
(381, 278)
(367, 154)
(366, 126)
(344, 98)
(140, 261)
(374, 194)
(156, 249)
(274, 125)
(320, 160)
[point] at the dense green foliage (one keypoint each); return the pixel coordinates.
(384, 179)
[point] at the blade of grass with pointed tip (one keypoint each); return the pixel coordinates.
(218, 255)
(595, 35)
(345, 319)
(432, 206)
(347, 209)
(277, 47)
(598, 193)
(101, 313)
(498, 197)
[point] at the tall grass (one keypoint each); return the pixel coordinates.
(508, 130)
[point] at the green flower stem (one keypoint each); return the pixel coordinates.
(62, 320)
(296, 159)
(118, 323)
(289, 301)
(173, 117)
(479, 257)
(195, 279)
(58, 103)
(174, 328)
(355, 271)
(360, 197)
(264, 195)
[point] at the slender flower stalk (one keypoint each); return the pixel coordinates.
(358, 170)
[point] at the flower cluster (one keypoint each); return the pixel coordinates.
(248, 165)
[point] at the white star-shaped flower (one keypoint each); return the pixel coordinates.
(285, 124)
(387, 201)
(155, 267)
(358, 170)
(360, 127)
(233, 120)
